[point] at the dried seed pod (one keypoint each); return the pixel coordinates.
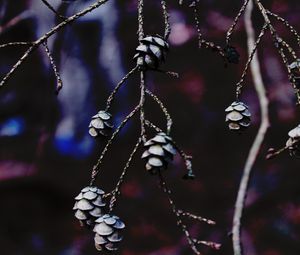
(293, 143)
(108, 232)
(151, 52)
(238, 116)
(100, 124)
(231, 54)
(89, 205)
(159, 151)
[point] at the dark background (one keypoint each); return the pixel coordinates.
(46, 154)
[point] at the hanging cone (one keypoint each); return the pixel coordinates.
(151, 52)
(238, 116)
(159, 151)
(89, 205)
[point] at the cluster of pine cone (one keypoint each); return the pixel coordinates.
(90, 211)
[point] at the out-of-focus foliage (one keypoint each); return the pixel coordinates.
(46, 153)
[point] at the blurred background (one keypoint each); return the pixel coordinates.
(46, 154)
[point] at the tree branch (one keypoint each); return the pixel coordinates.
(263, 101)
(96, 169)
(44, 38)
(51, 8)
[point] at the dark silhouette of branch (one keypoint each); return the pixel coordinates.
(51, 8)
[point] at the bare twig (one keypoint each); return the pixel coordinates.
(202, 43)
(119, 85)
(166, 19)
(96, 169)
(51, 8)
(44, 38)
(279, 43)
(196, 217)
(14, 44)
(164, 110)
(140, 19)
(287, 24)
(179, 216)
(180, 223)
(142, 103)
(239, 85)
(59, 83)
(272, 153)
(263, 100)
(236, 19)
(116, 191)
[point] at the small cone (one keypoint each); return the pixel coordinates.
(89, 205)
(238, 116)
(100, 124)
(108, 232)
(159, 151)
(151, 52)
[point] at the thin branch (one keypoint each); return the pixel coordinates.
(59, 83)
(278, 42)
(289, 49)
(213, 245)
(239, 85)
(142, 103)
(164, 110)
(236, 19)
(179, 216)
(119, 85)
(166, 19)
(272, 153)
(287, 24)
(180, 223)
(202, 43)
(263, 101)
(14, 44)
(196, 217)
(51, 8)
(116, 191)
(96, 169)
(140, 19)
(44, 38)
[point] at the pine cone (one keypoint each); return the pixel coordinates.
(151, 52)
(295, 72)
(89, 205)
(159, 152)
(108, 231)
(231, 54)
(238, 116)
(100, 124)
(293, 142)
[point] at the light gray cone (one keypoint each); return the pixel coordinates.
(100, 124)
(108, 232)
(89, 205)
(159, 151)
(238, 116)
